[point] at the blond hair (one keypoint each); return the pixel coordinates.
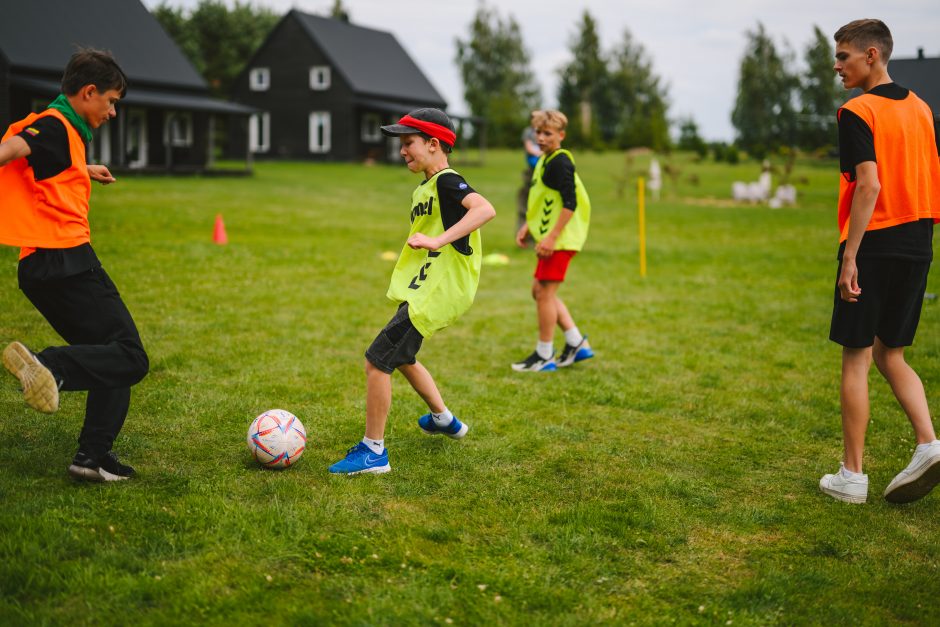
(549, 117)
(867, 33)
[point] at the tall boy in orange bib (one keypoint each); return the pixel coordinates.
(45, 186)
(889, 200)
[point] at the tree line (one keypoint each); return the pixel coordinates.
(613, 97)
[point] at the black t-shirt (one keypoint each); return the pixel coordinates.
(911, 240)
(559, 175)
(451, 190)
(49, 156)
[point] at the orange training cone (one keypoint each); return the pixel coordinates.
(218, 235)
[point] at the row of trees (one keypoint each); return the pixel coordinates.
(612, 98)
(777, 106)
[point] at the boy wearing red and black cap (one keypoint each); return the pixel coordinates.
(46, 187)
(433, 283)
(889, 200)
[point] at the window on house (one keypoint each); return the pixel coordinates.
(178, 130)
(371, 131)
(259, 79)
(259, 132)
(320, 77)
(320, 132)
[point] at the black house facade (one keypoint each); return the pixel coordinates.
(922, 76)
(324, 87)
(166, 122)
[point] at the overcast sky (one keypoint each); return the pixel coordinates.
(696, 47)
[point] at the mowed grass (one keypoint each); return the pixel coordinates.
(673, 479)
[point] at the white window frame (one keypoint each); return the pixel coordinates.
(320, 77)
(319, 143)
(259, 132)
(178, 130)
(103, 141)
(140, 116)
(371, 129)
(259, 79)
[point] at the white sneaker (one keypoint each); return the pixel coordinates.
(848, 490)
(918, 479)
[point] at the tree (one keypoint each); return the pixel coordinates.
(217, 40)
(820, 95)
(689, 139)
(499, 85)
(637, 102)
(764, 112)
(584, 90)
(339, 12)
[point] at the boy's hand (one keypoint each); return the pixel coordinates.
(848, 281)
(420, 240)
(546, 247)
(101, 174)
(521, 236)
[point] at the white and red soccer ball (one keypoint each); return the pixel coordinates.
(277, 439)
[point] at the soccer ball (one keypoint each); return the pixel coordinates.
(277, 439)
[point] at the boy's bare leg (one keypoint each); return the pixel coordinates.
(565, 321)
(856, 362)
(378, 401)
(423, 383)
(547, 305)
(907, 388)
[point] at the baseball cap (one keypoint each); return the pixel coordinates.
(433, 122)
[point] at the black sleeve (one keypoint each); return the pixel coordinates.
(49, 147)
(451, 190)
(856, 143)
(559, 175)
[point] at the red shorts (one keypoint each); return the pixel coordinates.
(555, 267)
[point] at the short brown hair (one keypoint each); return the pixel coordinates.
(549, 117)
(93, 67)
(867, 33)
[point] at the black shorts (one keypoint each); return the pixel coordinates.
(397, 344)
(889, 306)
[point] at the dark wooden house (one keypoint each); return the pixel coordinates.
(922, 75)
(166, 122)
(324, 87)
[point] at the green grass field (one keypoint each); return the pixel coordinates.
(673, 479)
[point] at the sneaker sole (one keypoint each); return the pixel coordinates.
(456, 436)
(377, 470)
(95, 476)
(574, 361)
(548, 368)
(39, 387)
(916, 487)
(841, 496)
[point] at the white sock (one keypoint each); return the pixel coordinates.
(848, 474)
(545, 349)
(573, 337)
(442, 419)
(376, 446)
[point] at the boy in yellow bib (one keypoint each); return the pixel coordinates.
(433, 283)
(557, 219)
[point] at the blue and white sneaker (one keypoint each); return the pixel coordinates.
(455, 429)
(360, 459)
(534, 363)
(574, 354)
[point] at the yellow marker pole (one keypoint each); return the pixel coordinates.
(641, 204)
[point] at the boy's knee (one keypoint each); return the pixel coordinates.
(139, 364)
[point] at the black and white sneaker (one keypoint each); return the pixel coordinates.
(575, 353)
(534, 363)
(107, 468)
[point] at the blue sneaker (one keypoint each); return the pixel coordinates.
(574, 354)
(455, 429)
(360, 459)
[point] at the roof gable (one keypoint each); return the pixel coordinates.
(371, 61)
(42, 35)
(922, 76)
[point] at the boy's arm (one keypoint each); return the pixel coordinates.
(479, 212)
(13, 148)
(867, 187)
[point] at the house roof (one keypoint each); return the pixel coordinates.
(41, 35)
(372, 61)
(922, 76)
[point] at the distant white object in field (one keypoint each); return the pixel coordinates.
(655, 182)
(785, 195)
(753, 192)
